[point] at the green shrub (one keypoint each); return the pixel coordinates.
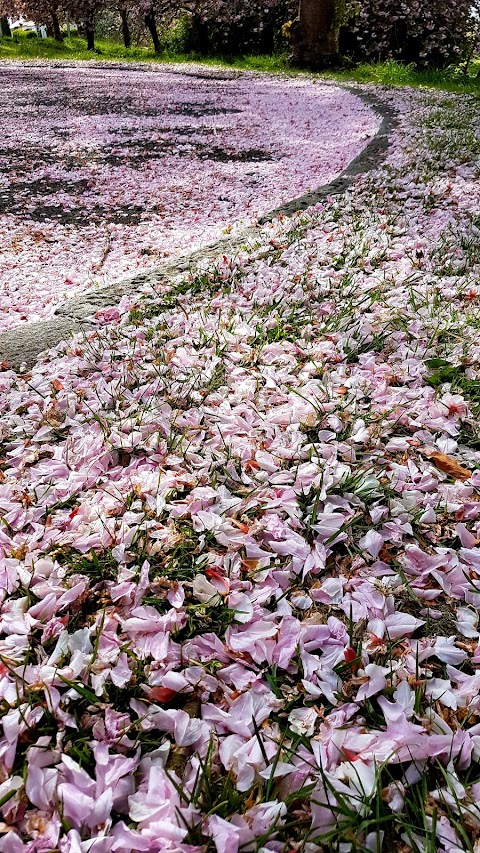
(178, 37)
(19, 35)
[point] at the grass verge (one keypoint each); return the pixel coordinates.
(390, 73)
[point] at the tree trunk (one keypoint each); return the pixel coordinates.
(4, 28)
(315, 34)
(127, 38)
(56, 26)
(150, 23)
(90, 34)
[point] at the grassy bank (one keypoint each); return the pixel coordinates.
(392, 73)
(76, 49)
(388, 73)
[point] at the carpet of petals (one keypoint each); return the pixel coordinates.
(105, 172)
(240, 530)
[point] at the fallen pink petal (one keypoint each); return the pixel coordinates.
(240, 507)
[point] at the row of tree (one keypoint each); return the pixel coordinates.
(426, 32)
(53, 13)
(226, 17)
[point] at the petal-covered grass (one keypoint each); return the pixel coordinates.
(240, 539)
(105, 171)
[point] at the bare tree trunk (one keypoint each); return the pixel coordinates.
(315, 33)
(4, 28)
(56, 26)
(90, 33)
(127, 38)
(151, 24)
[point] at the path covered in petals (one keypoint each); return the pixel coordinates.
(107, 171)
(240, 538)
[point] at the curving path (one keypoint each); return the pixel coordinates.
(105, 172)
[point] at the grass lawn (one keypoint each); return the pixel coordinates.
(240, 530)
(240, 521)
(386, 74)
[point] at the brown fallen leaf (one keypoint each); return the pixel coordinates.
(315, 619)
(240, 524)
(251, 565)
(53, 416)
(448, 465)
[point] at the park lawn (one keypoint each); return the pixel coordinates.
(240, 521)
(387, 73)
(71, 49)
(75, 49)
